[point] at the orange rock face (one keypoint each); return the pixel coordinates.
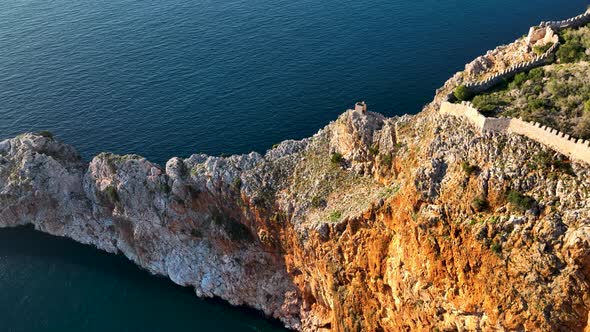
(423, 223)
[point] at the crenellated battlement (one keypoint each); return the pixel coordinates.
(545, 59)
(574, 22)
(577, 149)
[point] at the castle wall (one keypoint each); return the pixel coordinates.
(546, 58)
(464, 109)
(574, 22)
(574, 148)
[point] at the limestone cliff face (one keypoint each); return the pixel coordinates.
(422, 224)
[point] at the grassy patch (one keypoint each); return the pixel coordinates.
(557, 96)
(573, 45)
(335, 216)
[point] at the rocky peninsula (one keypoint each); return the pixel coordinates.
(418, 222)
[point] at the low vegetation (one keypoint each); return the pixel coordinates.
(573, 45)
(387, 159)
(496, 248)
(480, 204)
(540, 50)
(520, 201)
(462, 93)
(374, 149)
(557, 96)
(111, 193)
(336, 158)
(468, 168)
(335, 216)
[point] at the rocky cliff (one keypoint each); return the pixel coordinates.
(373, 224)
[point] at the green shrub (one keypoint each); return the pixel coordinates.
(536, 74)
(587, 106)
(480, 204)
(537, 104)
(468, 168)
(111, 192)
(540, 50)
(335, 216)
(374, 149)
(496, 248)
(489, 103)
(387, 160)
(520, 201)
(544, 160)
(518, 80)
(336, 158)
(163, 187)
(571, 51)
(318, 202)
(462, 93)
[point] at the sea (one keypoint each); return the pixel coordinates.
(173, 78)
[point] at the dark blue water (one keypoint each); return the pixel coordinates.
(50, 284)
(172, 78)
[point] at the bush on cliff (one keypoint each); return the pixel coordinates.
(336, 158)
(570, 52)
(479, 204)
(534, 76)
(462, 93)
(540, 50)
(111, 193)
(468, 168)
(520, 201)
(387, 160)
(488, 104)
(573, 45)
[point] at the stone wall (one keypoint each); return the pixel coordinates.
(577, 149)
(546, 58)
(574, 22)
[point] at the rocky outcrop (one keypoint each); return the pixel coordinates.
(424, 223)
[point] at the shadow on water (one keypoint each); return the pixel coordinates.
(55, 284)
